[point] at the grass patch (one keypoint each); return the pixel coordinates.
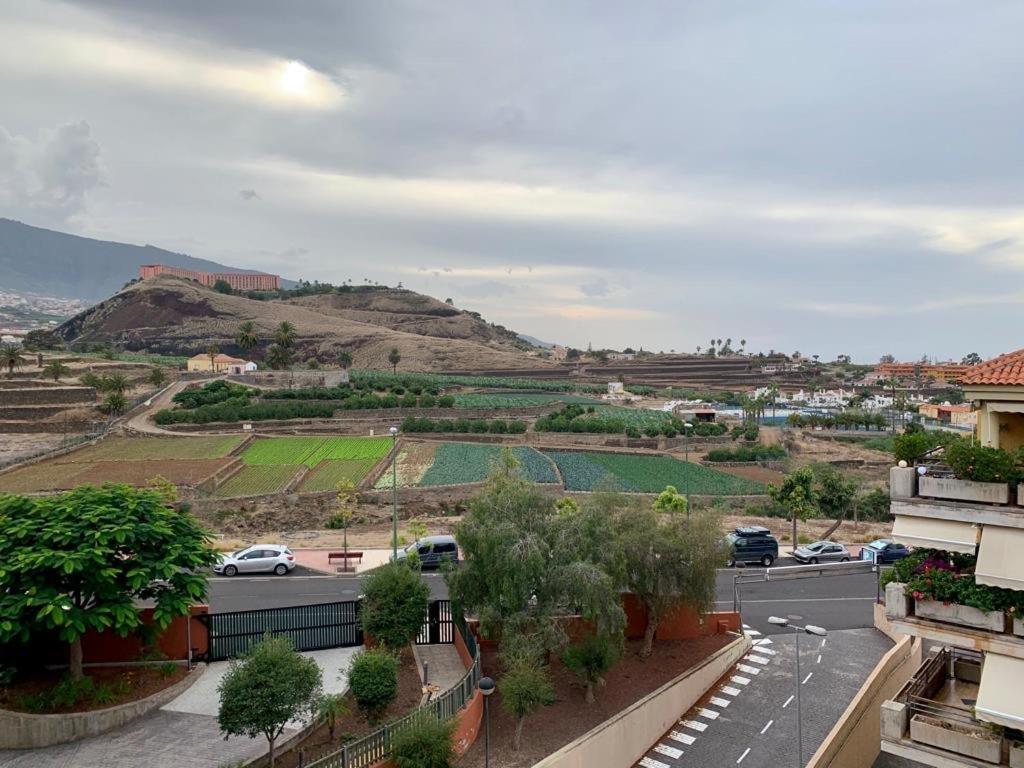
(257, 481)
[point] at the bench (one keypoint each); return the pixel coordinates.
(351, 557)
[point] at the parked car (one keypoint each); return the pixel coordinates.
(822, 552)
(884, 551)
(433, 551)
(258, 558)
(752, 544)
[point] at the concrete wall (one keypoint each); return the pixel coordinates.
(625, 738)
(20, 730)
(855, 739)
(55, 395)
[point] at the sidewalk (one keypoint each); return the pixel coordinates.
(181, 734)
(317, 559)
(444, 665)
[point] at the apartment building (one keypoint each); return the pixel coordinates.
(239, 281)
(965, 704)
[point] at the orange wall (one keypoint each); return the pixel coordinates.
(684, 623)
(107, 647)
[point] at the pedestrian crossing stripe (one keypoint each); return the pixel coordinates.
(693, 725)
(682, 738)
(762, 641)
(664, 749)
(720, 702)
(740, 680)
(757, 659)
(710, 714)
(730, 690)
(751, 632)
(769, 651)
(650, 762)
(748, 669)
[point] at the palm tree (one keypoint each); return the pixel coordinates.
(284, 335)
(278, 357)
(114, 404)
(329, 708)
(345, 359)
(743, 345)
(245, 336)
(698, 349)
(211, 352)
(115, 383)
(10, 355)
(394, 357)
(55, 369)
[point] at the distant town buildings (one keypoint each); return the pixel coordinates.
(942, 373)
(239, 281)
(220, 364)
(558, 352)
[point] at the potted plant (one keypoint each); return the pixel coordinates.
(942, 594)
(983, 474)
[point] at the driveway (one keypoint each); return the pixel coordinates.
(181, 734)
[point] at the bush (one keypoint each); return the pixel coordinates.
(394, 603)
(591, 658)
(911, 446)
(373, 679)
(874, 506)
(749, 432)
(426, 744)
(756, 452)
(981, 463)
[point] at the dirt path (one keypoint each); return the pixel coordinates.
(141, 420)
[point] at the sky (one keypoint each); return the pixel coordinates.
(832, 177)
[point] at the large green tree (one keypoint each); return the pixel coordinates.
(84, 559)
(797, 495)
(394, 605)
(394, 358)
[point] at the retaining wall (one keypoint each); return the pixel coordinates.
(22, 427)
(54, 395)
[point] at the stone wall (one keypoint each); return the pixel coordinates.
(22, 427)
(55, 395)
(30, 412)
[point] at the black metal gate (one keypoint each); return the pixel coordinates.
(309, 627)
(438, 626)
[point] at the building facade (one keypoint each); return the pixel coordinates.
(219, 364)
(239, 281)
(943, 373)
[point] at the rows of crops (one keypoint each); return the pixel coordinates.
(516, 399)
(312, 450)
(142, 448)
(258, 480)
(326, 475)
(634, 417)
(646, 474)
(460, 463)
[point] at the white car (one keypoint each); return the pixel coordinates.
(258, 558)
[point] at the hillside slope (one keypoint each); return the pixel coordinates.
(49, 263)
(172, 316)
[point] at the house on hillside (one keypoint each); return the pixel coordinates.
(220, 364)
(996, 388)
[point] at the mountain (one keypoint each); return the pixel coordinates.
(169, 315)
(42, 261)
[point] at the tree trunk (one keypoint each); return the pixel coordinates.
(589, 697)
(270, 752)
(794, 530)
(75, 659)
(517, 738)
(648, 644)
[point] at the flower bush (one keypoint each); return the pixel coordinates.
(970, 461)
(948, 577)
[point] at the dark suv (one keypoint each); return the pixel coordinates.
(752, 544)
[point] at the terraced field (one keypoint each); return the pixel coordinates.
(414, 459)
(461, 463)
(646, 474)
(327, 474)
(258, 480)
(147, 448)
(53, 476)
(312, 450)
(633, 417)
(517, 399)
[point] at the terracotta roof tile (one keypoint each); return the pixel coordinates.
(1006, 369)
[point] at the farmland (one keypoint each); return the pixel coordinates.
(414, 459)
(257, 480)
(53, 476)
(646, 474)
(312, 450)
(461, 463)
(516, 399)
(146, 448)
(328, 473)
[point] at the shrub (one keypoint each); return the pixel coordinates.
(373, 679)
(394, 603)
(426, 744)
(756, 452)
(874, 506)
(591, 658)
(981, 463)
(525, 688)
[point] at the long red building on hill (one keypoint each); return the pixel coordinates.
(239, 281)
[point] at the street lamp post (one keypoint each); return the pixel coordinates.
(809, 629)
(486, 685)
(686, 454)
(394, 493)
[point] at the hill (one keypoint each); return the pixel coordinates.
(49, 263)
(168, 315)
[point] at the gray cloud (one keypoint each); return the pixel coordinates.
(249, 194)
(595, 288)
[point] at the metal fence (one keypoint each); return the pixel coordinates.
(309, 627)
(376, 746)
(438, 626)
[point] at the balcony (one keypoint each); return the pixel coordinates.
(932, 719)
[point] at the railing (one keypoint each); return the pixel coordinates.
(920, 691)
(376, 746)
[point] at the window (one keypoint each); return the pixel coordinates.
(446, 548)
(270, 553)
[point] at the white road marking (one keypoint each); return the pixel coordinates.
(720, 702)
(650, 762)
(740, 680)
(746, 626)
(769, 651)
(748, 669)
(823, 641)
(819, 659)
(664, 749)
(767, 726)
(730, 690)
(757, 659)
(682, 738)
(710, 714)
(693, 725)
(804, 681)
(754, 632)
(762, 641)
(745, 753)
(788, 702)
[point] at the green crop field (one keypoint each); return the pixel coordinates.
(257, 480)
(141, 448)
(517, 399)
(312, 450)
(460, 463)
(327, 474)
(634, 417)
(647, 474)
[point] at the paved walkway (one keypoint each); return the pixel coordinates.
(181, 734)
(445, 668)
(317, 559)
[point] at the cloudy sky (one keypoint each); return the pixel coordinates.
(834, 177)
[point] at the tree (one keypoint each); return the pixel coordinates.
(114, 404)
(10, 356)
(426, 744)
(346, 498)
(284, 334)
(670, 500)
(666, 561)
(836, 495)
(55, 369)
(373, 679)
(394, 358)
(278, 357)
(266, 689)
(525, 688)
(115, 383)
(591, 658)
(887, 359)
(394, 603)
(345, 359)
(329, 708)
(971, 359)
(222, 286)
(85, 559)
(797, 495)
(157, 377)
(245, 336)
(211, 352)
